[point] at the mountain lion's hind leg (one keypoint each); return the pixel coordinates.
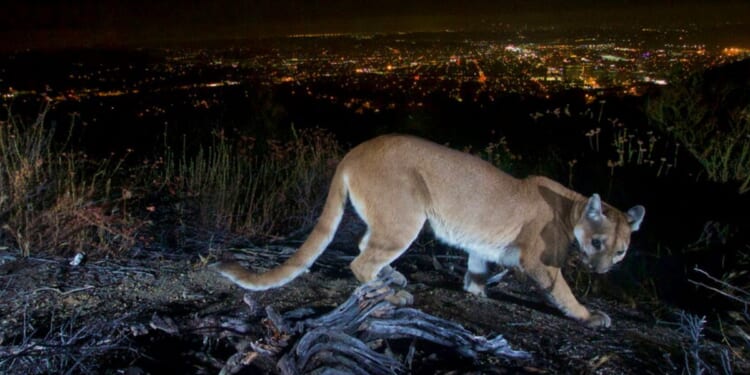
(374, 261)
(384, 242)
(476, 276)
(377, 253)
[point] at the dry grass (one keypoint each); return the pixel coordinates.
(55, 200)
(499, 154)
(259, 189)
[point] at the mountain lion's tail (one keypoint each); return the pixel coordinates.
(316, 242)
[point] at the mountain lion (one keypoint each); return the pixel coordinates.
(396, 183)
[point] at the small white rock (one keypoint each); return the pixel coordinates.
(78, 259)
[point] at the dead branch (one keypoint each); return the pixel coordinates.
(65, 349)
(344, 340)
(321, 349)
(60, 292)
(727, 290)
(726, 285)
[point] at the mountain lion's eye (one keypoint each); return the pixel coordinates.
(620, 253)
(596, 243)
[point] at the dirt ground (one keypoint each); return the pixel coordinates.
(168, 313)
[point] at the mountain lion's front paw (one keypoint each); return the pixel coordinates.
(598, 319)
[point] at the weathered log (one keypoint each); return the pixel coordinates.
(412, 323)
(342, 340)
(321, 349)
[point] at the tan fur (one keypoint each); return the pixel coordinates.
(397, 183)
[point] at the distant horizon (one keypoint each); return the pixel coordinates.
(734, 35)
(60, 25)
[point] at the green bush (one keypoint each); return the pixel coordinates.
(709, 114)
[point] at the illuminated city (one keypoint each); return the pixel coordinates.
(382, 79)
(337, 67)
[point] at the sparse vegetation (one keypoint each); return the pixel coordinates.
(260, 194)
(692, 327)
(711, 118)
(499, 154)
(65, 348)
(734, 329)
(632, 147)
(58, 200)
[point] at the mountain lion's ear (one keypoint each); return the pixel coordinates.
(635, 217)
(593, 209)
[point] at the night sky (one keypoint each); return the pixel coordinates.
(76, 23)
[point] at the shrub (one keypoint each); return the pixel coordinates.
(709, 113)
(258, 188)
(57, 200)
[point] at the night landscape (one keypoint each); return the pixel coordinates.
(141, 143)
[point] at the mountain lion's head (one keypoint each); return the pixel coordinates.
(603, 233)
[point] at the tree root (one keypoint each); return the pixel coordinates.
(344, 340)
